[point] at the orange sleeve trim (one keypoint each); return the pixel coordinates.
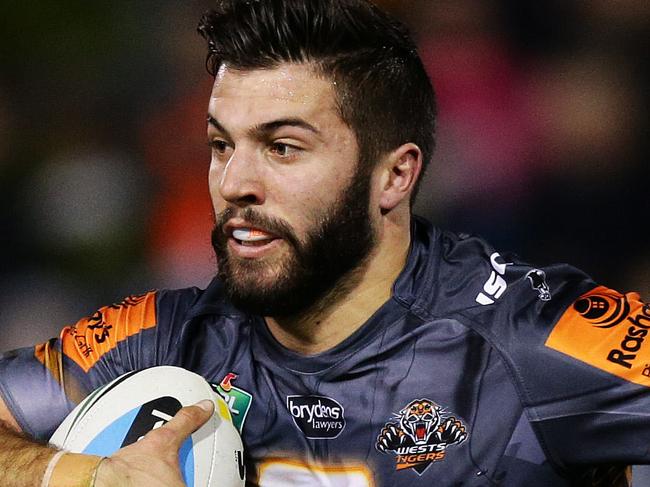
(91, 338)
(607, 330)
(51, 359)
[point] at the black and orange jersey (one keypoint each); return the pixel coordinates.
(479, 370)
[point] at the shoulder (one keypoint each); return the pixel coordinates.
(139, 312)
(143, 324)
(555, 316)
(558, 331)
(184, 304)
(461, 273)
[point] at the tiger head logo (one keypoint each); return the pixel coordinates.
(419, 419)
(420, 435)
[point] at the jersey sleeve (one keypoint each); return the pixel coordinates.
(42, 384)
(600, 343)
(580, 356)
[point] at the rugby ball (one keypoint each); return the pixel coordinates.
(124, 410)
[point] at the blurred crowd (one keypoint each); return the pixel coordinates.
(542, 143)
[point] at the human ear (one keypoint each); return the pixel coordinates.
(400, 171)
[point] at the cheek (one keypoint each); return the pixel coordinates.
(215, 174)
(303, 201)
(312, 193)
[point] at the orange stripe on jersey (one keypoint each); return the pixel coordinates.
(51, 359)
(91, 338)
(607, 330)
(47, 354)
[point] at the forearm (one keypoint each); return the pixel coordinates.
(22, 461)
(151, 461)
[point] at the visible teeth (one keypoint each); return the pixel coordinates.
(250, 235)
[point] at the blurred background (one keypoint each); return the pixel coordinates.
(542, 143)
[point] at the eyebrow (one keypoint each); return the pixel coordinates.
(265, 128)
(273, 125)
(215, 123)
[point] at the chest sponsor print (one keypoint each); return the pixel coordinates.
(318, 417)
(420, 435)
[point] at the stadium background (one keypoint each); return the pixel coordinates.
(542, 133)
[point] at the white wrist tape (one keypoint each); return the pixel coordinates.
(71, 470)
(50, 467)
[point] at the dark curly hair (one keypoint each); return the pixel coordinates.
(383, 92)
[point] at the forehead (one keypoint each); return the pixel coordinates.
(287, 90)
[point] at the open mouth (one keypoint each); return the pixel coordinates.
(252, 237)
(420, 430)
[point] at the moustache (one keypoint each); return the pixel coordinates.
(272, 225)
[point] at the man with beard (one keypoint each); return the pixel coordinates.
(356, 344)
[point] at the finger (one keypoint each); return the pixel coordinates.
(187, 420)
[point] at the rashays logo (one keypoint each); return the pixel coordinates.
(421, 435)
(318, 417)
(609, 310)
(614, 339)
(626, 353)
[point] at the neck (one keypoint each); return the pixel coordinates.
(346, 308)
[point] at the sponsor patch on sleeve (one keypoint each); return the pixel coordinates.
(607, 330)
(88, 340)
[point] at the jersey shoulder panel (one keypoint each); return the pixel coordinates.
(456, 273)
(447, 272)
(87, 341)
(145, 317)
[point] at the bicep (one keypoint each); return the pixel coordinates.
(41, 385)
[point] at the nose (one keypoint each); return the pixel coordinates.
(240, 182)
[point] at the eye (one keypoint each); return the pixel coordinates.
(281, 149)
(218, 146)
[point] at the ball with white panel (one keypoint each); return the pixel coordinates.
(124, 410)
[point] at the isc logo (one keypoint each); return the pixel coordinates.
(496, 284)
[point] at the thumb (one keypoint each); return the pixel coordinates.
(187, 420)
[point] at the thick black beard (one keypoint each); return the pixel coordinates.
(330, 254)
